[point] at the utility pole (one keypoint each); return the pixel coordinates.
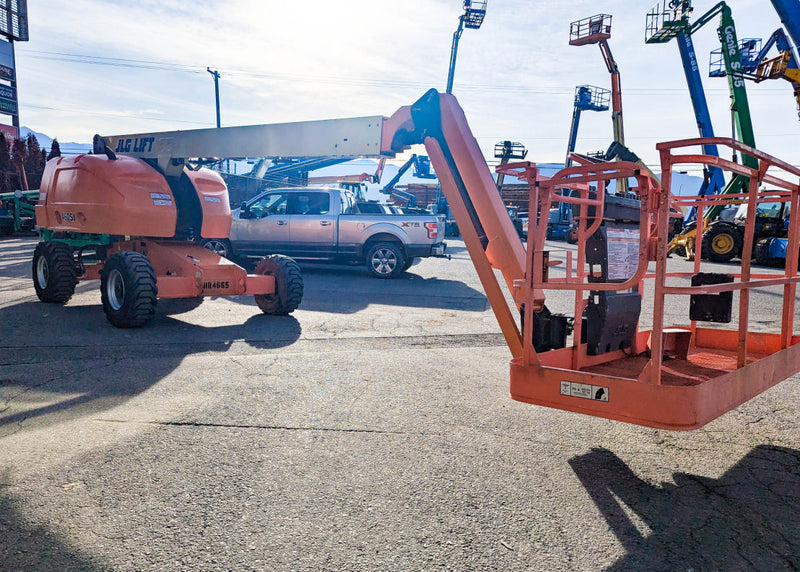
(216, 75)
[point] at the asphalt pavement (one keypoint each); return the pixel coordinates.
(369, 430)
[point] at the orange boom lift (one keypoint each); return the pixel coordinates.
(134, 212)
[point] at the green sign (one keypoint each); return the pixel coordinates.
(9, 107)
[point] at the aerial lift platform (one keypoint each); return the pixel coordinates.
(596, 359)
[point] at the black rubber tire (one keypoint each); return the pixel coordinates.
(288, 285)
(385, 260)
(54, 272)
(128, 290)
(761, 253)
(409, 263)
(221, 246)
(572, 236)
(721, 243)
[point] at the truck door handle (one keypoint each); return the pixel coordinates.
(281, 222)
(324, 223)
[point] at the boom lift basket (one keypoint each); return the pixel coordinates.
(475, 12)
(749, 49)
(667, 20)
(592, 98)
(667, 377)
(670, 377)
(590, 30)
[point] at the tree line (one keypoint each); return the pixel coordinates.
(22, 163)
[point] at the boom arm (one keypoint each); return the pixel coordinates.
(171, 150)
(716, 179)
(789, 12)
(616, 92)
(437, 121)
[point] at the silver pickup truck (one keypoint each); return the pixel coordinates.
(325, 224)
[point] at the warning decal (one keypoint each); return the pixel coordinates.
(584, 390)
(623, 253)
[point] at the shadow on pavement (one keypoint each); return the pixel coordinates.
(51, 375)
(348, 290)
(25, 547)
(748, 519)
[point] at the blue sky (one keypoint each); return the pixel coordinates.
(96, 66)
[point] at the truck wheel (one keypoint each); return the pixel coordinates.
(128, 290)
(54, 276)
(288, 285)
(385, 260)
(221, 246)
(721, 243)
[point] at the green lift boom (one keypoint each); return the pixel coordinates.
(720, 243)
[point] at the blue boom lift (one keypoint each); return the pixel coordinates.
(560, 223)
(713, 179)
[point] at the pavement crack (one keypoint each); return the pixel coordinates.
(266, 427)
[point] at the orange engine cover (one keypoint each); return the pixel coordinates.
(216, 206)
(124, 196)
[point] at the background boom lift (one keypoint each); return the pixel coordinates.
(560, 222)
(714, 180)
(597, 30)
(722, 240)
(422, 169)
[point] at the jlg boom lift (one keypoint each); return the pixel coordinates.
(133, 213)
(594, 359)
(597, 30)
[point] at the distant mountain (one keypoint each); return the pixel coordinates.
(45, 142)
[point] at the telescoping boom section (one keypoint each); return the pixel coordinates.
(592, 356)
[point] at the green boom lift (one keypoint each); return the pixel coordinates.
(721, 240)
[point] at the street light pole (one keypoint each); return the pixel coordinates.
(216, 75)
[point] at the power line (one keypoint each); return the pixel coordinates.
(335, 80)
